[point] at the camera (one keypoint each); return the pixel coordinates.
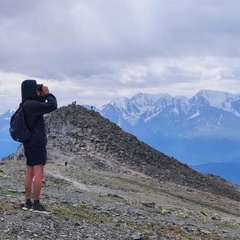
(39, 87)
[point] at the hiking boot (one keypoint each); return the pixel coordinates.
(38, 207)
(27, 206)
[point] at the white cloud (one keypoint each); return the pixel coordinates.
(92, 51)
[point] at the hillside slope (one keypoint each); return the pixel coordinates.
(114, 187)
(108, 205)
(87, 135)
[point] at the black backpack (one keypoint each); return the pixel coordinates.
(19, 130)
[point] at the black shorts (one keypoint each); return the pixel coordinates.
(35, 155)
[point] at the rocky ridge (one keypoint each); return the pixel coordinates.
(87, 135)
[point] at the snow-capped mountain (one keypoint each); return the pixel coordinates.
(204, 128)
(7, 145)
(4, 120)
(138, 109)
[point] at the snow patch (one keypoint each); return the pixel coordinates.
(194, 115)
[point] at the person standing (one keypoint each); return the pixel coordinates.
(37, 101)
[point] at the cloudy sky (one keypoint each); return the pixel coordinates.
(93, 51)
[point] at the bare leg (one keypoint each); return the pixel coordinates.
(37, 186)
(28, 181)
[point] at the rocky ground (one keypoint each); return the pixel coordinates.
(96, 204)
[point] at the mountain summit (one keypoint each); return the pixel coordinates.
(208, 108)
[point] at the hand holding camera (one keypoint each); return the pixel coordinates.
(42, 90)
(45, 90)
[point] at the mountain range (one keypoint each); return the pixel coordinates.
(204, 128)
(198, 131)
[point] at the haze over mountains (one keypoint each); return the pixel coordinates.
(201, 130)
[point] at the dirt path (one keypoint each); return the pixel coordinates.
(75, 183)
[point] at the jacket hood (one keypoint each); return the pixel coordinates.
(29, 90)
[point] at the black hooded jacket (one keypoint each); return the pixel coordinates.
(34, 109)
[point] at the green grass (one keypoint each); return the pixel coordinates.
(81, 212)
